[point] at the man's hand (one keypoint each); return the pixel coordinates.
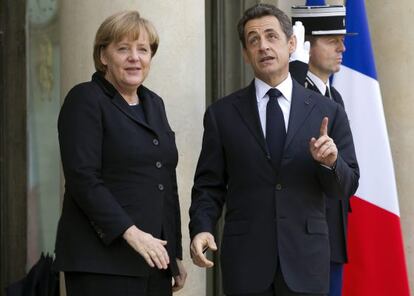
(302, 48)
(201, 242)
(179, 280)
(149, 247)
(323, 149)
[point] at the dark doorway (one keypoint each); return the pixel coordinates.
(225, 73)
(13, 188)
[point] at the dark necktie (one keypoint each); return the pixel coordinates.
(275, 128)
(328, 92)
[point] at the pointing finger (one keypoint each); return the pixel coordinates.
(324, 127)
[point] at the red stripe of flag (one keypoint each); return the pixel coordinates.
(376, 254)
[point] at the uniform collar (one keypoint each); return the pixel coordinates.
(318, 82)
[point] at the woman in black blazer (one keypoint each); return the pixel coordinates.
(120, 231)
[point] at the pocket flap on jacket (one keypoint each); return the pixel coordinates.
(317, 225)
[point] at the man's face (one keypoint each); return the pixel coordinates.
(326, 54)
(267, 49)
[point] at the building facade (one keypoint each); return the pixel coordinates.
(46, 48)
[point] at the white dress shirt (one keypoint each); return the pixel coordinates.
(285, 87)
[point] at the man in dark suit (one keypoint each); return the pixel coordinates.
(324, 27)
(271, 153)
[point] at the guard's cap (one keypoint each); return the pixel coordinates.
(322, 19)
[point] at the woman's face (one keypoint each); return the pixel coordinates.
(127, 62)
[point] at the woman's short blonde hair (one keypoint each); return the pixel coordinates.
(118, 26)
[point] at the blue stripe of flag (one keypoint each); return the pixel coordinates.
(315, 2)
(358, 54)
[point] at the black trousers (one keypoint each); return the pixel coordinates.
(91, 284)
(279, 288)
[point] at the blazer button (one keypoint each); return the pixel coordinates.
(278, 187)
(158, 164)
(160, 187)
(155, 142)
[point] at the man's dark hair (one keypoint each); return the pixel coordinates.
(261, 10)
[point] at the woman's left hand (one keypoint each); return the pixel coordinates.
(179, 280)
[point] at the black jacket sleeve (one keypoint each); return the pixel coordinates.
(80, 138)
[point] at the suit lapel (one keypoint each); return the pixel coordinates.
(122, 105)
(152, 109)
(301, 106)
(246, 105)
(119, 101)
(336, 96)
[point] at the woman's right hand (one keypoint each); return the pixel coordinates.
(149, 247)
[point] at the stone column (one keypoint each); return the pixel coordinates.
(393, 44)
(177, 75)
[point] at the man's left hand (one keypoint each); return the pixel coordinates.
(323, 149)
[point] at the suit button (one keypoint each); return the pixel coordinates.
(158, 164)
(155, 142)
(268, 156)
(100, 233)
(160, 187)
(278, 187)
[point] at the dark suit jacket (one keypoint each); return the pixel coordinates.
(337, 210)
(119, 171)
(270, 217)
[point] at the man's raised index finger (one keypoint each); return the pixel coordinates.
(324, 127)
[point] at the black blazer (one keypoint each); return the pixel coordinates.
(271, 218)
(337, 210)
(119, 171)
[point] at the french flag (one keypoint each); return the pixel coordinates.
(376, 253)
